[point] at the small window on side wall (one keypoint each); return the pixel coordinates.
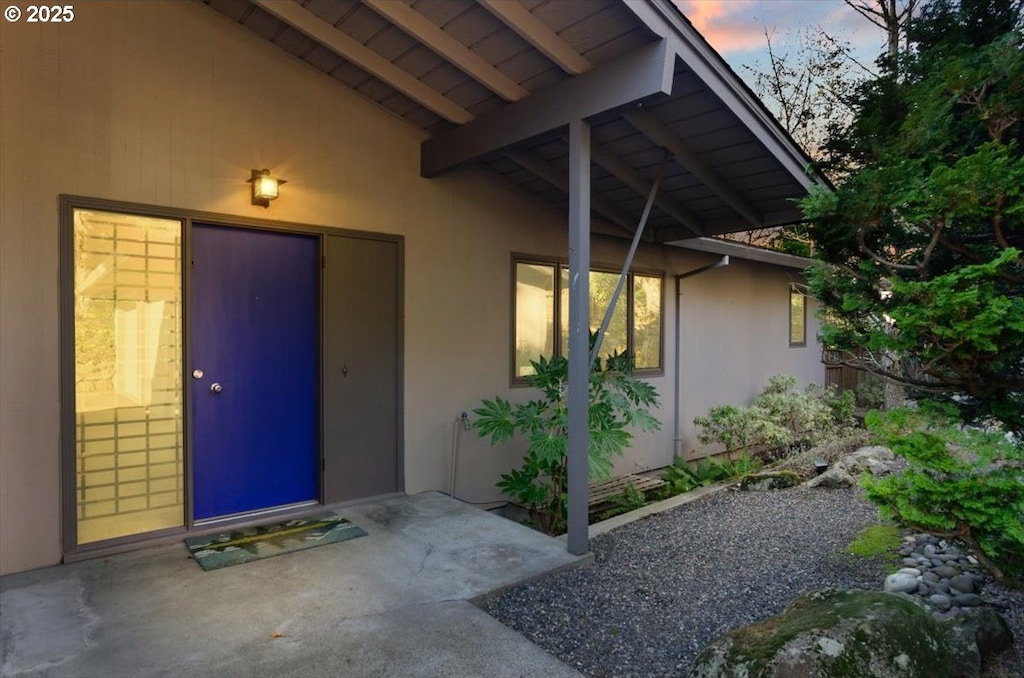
(797, 318)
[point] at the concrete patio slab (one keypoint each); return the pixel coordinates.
(395, 602)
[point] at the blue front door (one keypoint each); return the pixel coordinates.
(254, 361)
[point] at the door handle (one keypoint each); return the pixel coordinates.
(216, 387)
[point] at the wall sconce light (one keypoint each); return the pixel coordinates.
(264, 187)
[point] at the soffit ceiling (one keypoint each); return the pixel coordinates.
(489, 66)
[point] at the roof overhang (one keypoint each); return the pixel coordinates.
(737, 250)
(497, 82)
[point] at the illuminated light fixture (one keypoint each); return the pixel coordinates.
(264, 187)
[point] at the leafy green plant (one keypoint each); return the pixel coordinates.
(617, 401)
(682, 477)
(679, 478)
(962, 483)
(726, 468)
(630, 500)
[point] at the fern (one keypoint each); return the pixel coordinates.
(630, 500)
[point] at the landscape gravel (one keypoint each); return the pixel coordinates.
(662, 587)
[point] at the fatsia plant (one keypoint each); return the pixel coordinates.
(617, 401)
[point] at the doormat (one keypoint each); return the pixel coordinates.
(214, 551)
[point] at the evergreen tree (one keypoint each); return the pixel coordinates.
(922, 241)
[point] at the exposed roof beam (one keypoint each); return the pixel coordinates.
(536, 32)
(311, 25)
(560, 180)
(436, 39)
(651, 128)
(667, 21)
(627, 175)
(642, 73)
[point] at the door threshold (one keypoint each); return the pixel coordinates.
(259, 515)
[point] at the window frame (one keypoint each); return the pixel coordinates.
(627, 296)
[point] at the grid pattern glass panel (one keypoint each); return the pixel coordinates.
(128, 367)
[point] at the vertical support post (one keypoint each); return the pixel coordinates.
(579, 335)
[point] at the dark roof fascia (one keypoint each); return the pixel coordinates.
(741, 251)
(685, 30)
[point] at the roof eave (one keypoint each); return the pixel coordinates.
(746, 252)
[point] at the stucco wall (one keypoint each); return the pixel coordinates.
(735, 336)
(171, 104)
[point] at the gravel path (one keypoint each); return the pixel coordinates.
(662, 587)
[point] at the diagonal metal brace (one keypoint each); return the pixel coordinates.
(595, 351)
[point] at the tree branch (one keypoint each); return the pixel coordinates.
(865, 10)
(880, 260)
(930, 249)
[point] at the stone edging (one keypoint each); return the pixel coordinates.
(599, 528)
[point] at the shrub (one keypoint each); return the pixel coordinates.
(781, 418)
(740, 428)
(841, 404)
(962, 483)
(617, 401)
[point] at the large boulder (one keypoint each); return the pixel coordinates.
(834, 477)
(875, 459)
(854, 634)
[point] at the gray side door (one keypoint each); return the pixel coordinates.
(362, 424)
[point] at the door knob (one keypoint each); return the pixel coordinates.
(216, 388)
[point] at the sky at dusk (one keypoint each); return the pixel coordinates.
(736, 28)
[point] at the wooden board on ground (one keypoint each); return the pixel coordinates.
(599, 493)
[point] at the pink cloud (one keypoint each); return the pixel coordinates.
(736, 28)
(728, 26)
(733, 26)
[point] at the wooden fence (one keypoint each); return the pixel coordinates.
(843, 377)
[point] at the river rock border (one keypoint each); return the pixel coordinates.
(937, 571)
